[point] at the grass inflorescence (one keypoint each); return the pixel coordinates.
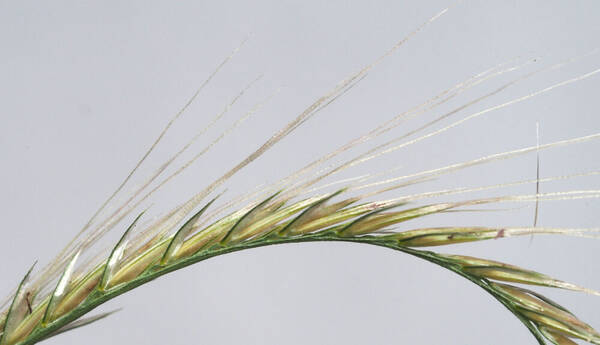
(296, 210)
(272, 222)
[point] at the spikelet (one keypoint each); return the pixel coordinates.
(509, 273)
(553, 320)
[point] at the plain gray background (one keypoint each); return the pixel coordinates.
(86, 86)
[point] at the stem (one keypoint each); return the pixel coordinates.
(98, 297)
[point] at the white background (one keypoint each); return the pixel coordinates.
(86, 86)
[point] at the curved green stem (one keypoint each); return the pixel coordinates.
(98, 297)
